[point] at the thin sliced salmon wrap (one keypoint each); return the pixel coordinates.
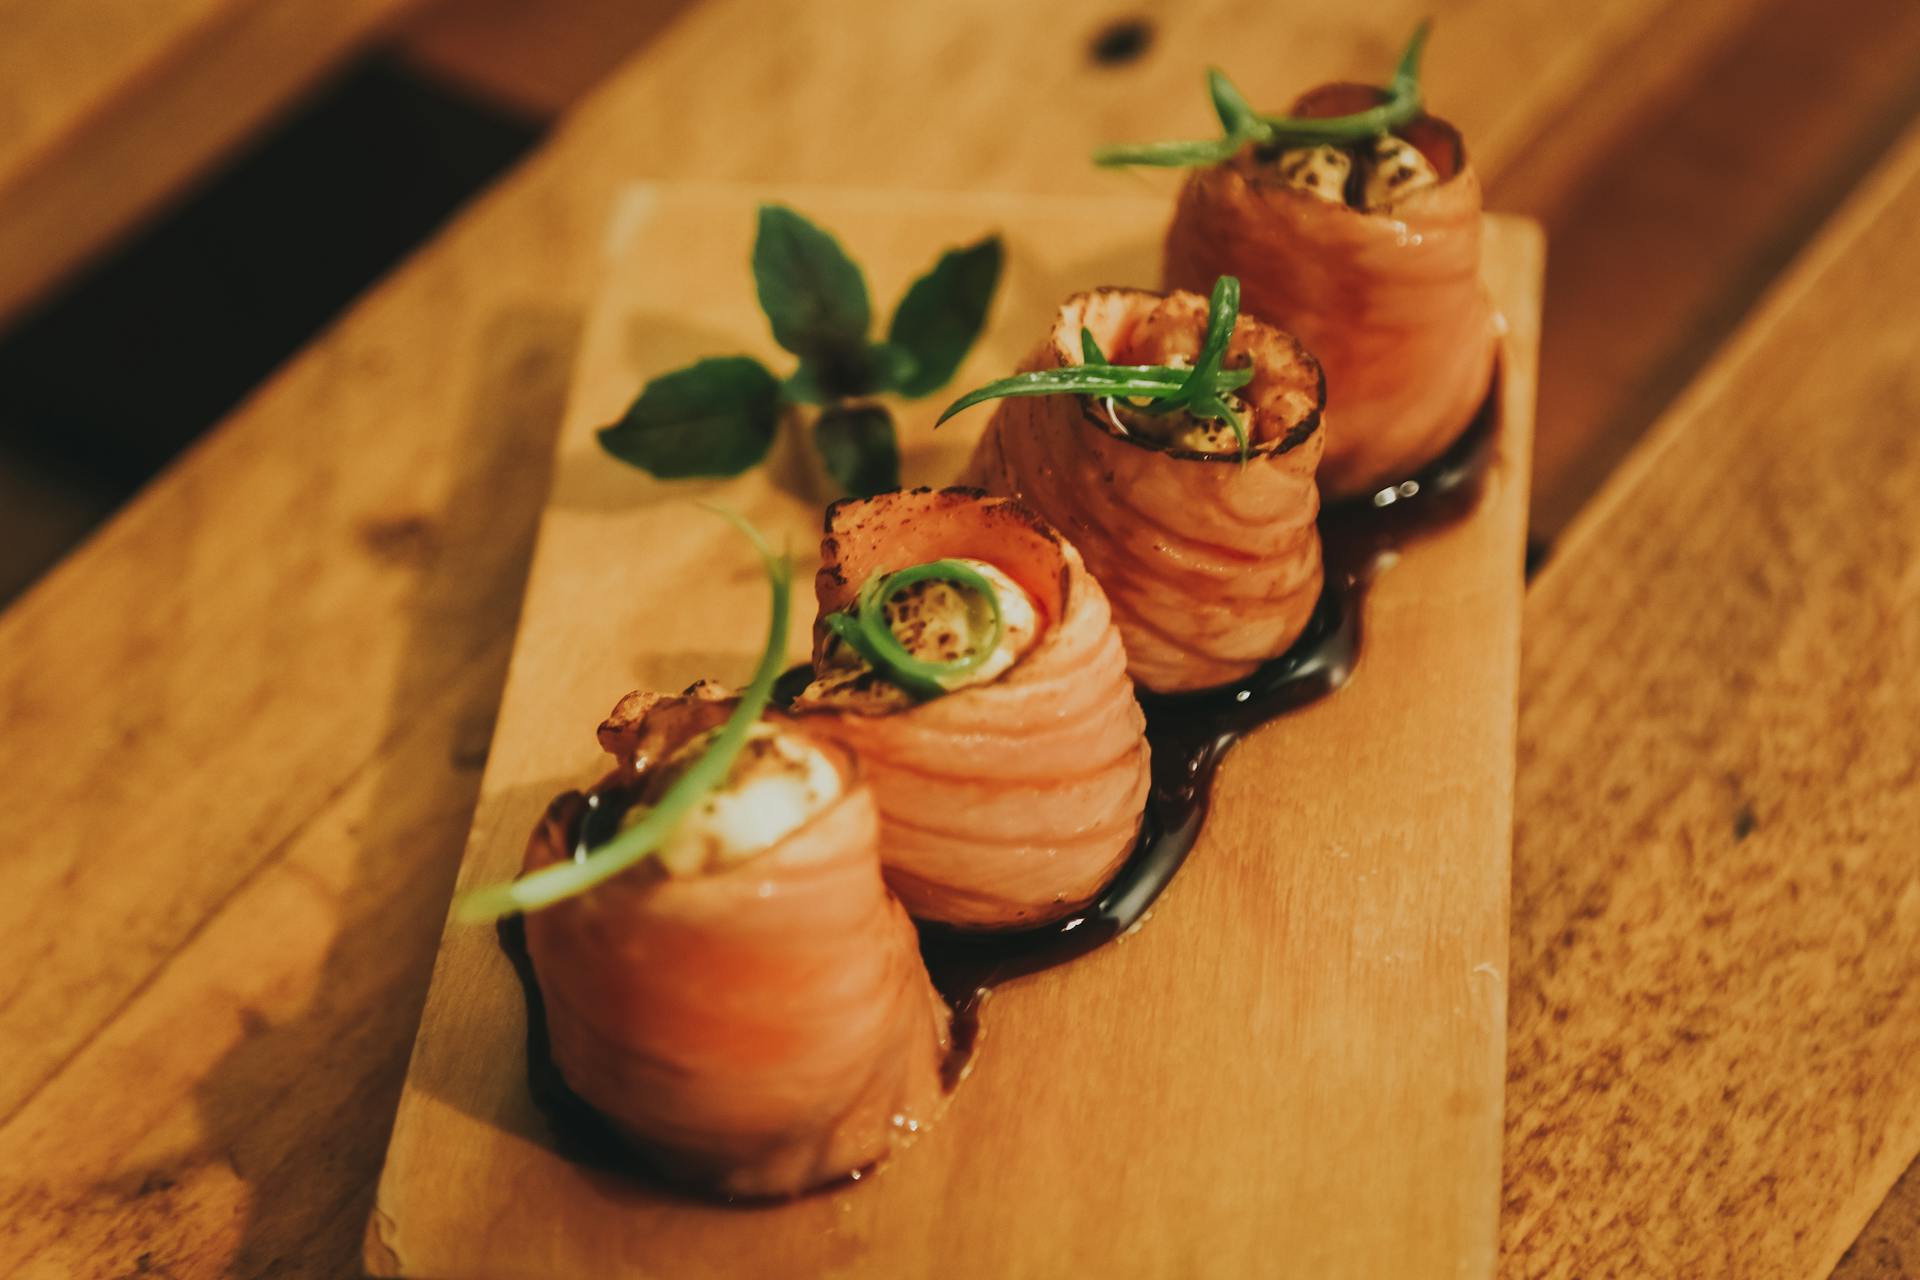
(1012, 795)
(1370, 255)
(747, 1008)
(1212, 562)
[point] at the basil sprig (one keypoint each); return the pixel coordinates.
(714, 417)
(719, 416)
(1244, 125)
(857, 445)
(1147, 388)
(866, 630)
(563, 880)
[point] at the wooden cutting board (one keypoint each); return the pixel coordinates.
(1294, 1067)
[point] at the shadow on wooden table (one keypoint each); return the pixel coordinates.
(301, 1109)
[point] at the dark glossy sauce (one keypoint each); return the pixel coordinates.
(1189, 734)
(580, 1133)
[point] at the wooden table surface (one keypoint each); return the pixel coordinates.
(109, 107)
(245, 722)
(1350, 932)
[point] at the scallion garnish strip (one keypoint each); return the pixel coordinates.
(564, 880)
(1125, 381)
(1200, 390)
(1244, 125)
(866, 631)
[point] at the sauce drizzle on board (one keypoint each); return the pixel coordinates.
(1189, 735)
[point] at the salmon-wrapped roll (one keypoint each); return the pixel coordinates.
(1212, 560)
(1388, 295)
(1354, 223)
(748, 1007)
(1002, 738)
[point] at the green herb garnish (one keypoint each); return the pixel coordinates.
(715, 417)
(856, 443)
(941, 315)
(719, 417)
(564, 880)
(814, 295)
(1146, 388)
(1244, 125)
(866, 630)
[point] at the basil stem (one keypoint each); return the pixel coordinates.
(563, 880)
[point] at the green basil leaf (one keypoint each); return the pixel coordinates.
(1090, 348)
(857, 443)
(942, 313)
(713, 418)
(894, 367)
(846, 375)
(809, 385)
(812, 292)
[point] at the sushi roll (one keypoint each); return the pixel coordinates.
(1354, 223)
(1200, 526)
(970, 661)
(726, 979)
(748, 1009)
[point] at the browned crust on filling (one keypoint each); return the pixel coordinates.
(1296, 435)
(998, 509)
(1291, 439)
(1435, 138)
(984, 506)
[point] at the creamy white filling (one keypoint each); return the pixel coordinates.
(934, 621)
(1319, 171)
(1180, 429)
(1394, 169)
(778, 783)
(1390, 169)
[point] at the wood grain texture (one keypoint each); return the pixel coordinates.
(204, 622)
(1303, 1047)
(537, 59)
(293, 642)
(1672, 230)
(108, 107)
(1716, 953)
(1889, 1247)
